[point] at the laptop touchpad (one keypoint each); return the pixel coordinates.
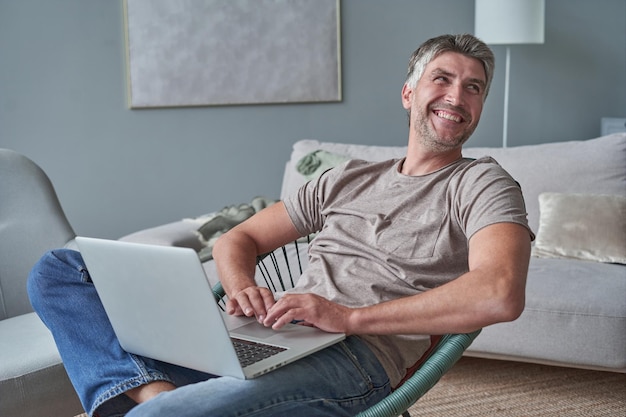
(254, 329)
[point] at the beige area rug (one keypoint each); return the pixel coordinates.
(489, 388)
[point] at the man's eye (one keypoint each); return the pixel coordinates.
(474, 88)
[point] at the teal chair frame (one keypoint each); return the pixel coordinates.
(440, 358)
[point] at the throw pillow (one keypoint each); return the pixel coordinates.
(582, 226)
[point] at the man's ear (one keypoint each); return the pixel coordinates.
(407, 96)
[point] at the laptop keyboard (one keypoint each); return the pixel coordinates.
(251, 352)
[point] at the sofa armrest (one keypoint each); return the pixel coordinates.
(182, 233)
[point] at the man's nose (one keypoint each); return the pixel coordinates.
(454, 95)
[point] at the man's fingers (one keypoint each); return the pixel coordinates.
(285, 310)
(232, 308)
(253, 301)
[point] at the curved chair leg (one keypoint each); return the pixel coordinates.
(448, 351)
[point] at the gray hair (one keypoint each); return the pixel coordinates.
(465, 44)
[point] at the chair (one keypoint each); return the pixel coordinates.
(33, 381)
(443, 353)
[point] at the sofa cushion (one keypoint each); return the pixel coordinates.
(575, 314)
(591, 166)
(582, 226)
(595, 166)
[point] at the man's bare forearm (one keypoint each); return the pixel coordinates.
(235, 259)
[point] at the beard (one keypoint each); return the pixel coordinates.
(442, 142)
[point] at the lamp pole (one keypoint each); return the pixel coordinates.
(505, 119)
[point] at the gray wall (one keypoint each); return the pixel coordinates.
(63, 104)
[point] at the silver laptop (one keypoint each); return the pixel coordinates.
(161, 306)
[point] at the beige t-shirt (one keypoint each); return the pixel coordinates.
(383, 235)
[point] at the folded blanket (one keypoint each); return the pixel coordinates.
(219, 223)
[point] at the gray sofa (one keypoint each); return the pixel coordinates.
(575, 194)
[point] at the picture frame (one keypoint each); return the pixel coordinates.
(232, 52)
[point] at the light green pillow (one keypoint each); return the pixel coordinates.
(315, 163)
(582, 226)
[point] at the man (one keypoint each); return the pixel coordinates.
(433, 243)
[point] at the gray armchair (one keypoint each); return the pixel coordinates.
(33, 382)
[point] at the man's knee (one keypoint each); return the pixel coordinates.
(54, 268)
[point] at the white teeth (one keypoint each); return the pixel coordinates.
(448, 116)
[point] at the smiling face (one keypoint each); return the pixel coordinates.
(445, 106)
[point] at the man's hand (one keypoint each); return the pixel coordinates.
(235, 254)
(311, 310)
(251, 301)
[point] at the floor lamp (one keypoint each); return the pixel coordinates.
(509, 22)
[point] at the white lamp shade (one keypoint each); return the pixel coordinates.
(510, 21)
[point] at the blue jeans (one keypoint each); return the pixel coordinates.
(338, 381)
